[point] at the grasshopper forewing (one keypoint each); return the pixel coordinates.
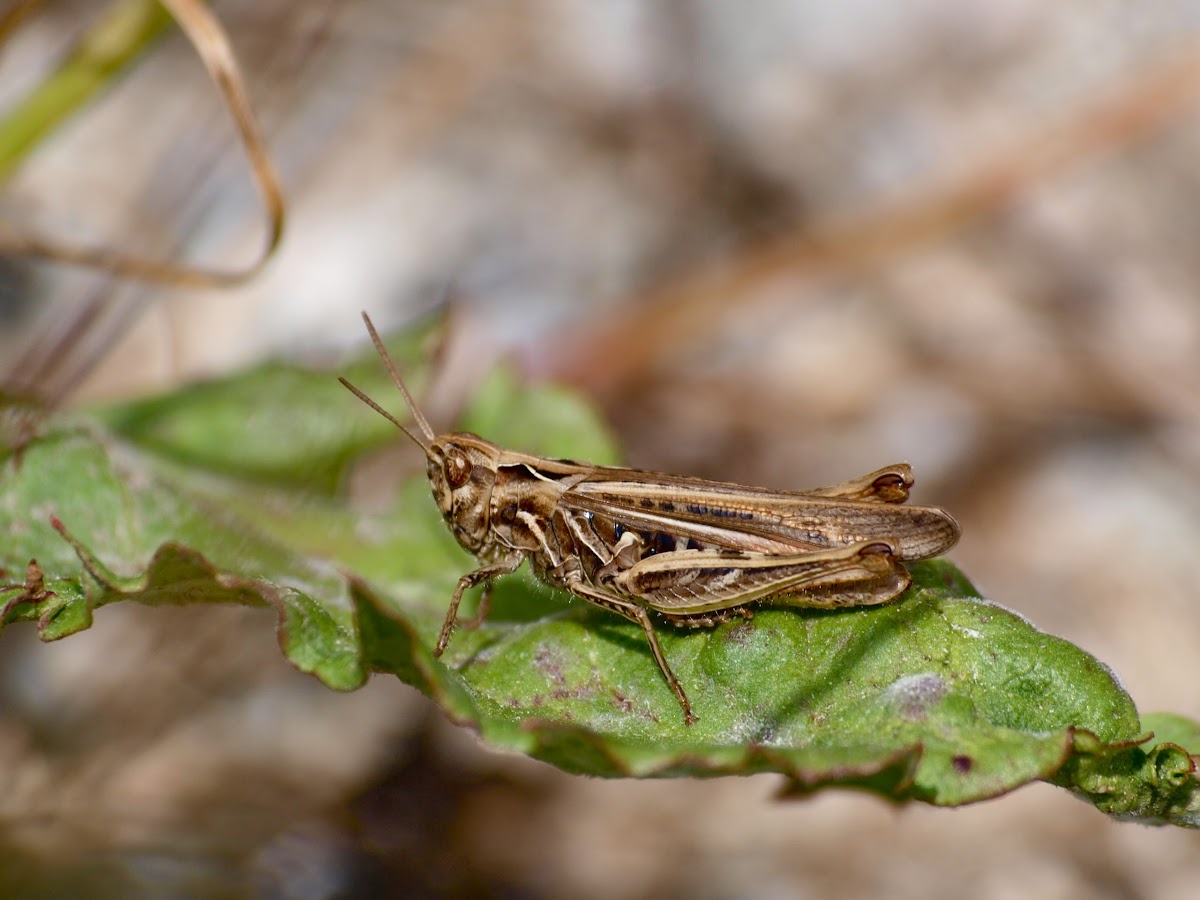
(689, 551)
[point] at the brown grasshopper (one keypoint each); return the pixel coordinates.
(694, 552)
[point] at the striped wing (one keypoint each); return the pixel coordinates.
(767, 521)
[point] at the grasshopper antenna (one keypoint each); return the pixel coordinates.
(422, 423)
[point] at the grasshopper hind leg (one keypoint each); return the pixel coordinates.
(641, 616)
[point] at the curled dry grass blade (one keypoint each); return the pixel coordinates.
(108, 47)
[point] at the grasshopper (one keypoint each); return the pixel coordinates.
(690, 551)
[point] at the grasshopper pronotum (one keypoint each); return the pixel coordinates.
(691, 551)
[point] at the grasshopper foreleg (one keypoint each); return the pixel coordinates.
(481, 575)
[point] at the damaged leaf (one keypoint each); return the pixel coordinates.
(940, 697)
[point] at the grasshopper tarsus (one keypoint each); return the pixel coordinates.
(694, 552)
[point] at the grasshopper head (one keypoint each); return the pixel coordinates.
(462, 472)
(462, 467)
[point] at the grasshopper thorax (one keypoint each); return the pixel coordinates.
(461, 467)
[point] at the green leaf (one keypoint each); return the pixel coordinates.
(124, 30)
(556, 424)
(163, 542)
(275, 424)
(1154, 784)
(939, 697)
(1174, 729)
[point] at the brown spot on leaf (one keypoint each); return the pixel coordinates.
(914, 695)
(624, 702)
(549, 663)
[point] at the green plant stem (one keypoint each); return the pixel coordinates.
(121, 33)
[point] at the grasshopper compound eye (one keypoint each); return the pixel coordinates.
(458, 468)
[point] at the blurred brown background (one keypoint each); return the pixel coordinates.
(782, 243)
